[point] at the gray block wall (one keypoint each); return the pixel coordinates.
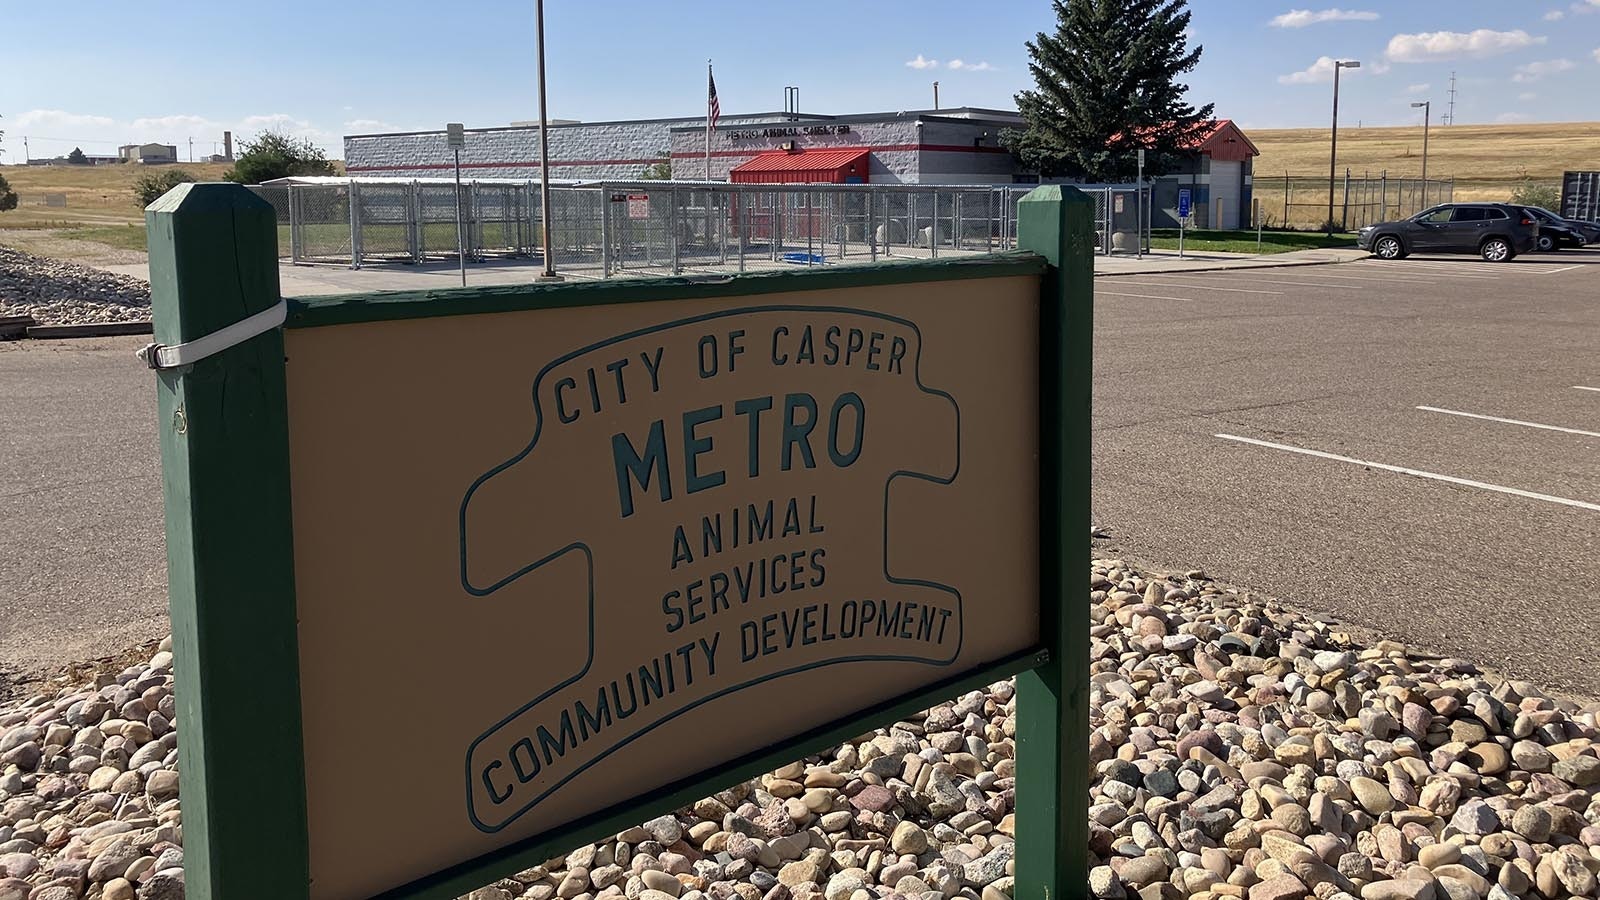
(619, 150)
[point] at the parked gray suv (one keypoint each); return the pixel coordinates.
(1495, 231)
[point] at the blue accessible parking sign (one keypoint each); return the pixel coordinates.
(1183, 203)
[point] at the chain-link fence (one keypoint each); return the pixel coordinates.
(1301, 201)
(652, 228)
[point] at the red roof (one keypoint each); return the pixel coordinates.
(1220, 139)
(804, 165)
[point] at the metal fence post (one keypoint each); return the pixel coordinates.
(355, 223)
(605, 231)
(741, 225)
(872, 231)
(672, 227)
(1286, 189)
(295, 199)
(1383, 195)
(1344, 215)
(933, 227)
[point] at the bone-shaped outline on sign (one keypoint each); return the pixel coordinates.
(466, 583)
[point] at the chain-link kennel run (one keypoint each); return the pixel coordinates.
(619, 229)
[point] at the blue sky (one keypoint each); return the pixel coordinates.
(327, 69)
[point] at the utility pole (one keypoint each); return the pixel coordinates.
(1450, 113)
(936, 96)
(1333, 150)
(191, 149)
(25, 154)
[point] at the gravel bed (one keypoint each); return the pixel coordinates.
(62, 293)
(1239, 752)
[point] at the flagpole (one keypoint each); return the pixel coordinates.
(708, 120)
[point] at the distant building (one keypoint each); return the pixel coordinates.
(149, 154)
(949, 146)
(1218, 171)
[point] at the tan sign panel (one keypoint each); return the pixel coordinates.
(549, 561)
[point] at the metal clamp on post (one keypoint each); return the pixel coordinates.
(164, 356)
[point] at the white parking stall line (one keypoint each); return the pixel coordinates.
(1186, 284)
(1580, 387)
(1458, 270)
(1467, 415)
(1254, 280)
(1141, 296)
(1562, 269)
(1415, 473)
(1423, 270)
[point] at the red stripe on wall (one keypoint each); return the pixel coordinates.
(930, 148)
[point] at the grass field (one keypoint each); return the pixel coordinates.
(1486, 161)
(1245, 241)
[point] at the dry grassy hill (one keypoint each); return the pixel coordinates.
(1487, 161)
(96, 195)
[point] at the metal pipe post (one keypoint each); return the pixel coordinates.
(461, 230)
(544, 155)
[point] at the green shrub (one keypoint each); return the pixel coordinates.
(151, 185)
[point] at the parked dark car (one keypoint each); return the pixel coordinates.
(1556, 232)
(1495, 231)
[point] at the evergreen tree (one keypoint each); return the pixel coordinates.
(77, 158)
(1106, 87)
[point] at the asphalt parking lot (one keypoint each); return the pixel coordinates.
(1410, 447)
(82, 555)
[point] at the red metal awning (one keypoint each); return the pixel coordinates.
(805, 166)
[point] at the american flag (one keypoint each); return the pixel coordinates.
(713, 108)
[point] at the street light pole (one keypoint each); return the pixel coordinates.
(1333, 151)
(1427, 107)
(549, 273)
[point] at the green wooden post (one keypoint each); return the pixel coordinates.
(1053, 700)
(225, 464)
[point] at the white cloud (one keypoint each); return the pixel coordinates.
(1378, 68)
(1597, 54)
(1527, 95)
(1417, 88)
(1319, 72)
(1300, 18)
(1536, 70)
(369, 126)
(1586, 6)
(1430, 46)
(969, 67)
(58, 120)
(1554, 15)
(921, 63)
(1510, 118)
(54, 132)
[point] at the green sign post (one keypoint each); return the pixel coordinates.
(784, 509)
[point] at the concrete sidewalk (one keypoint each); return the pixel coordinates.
(305, 281)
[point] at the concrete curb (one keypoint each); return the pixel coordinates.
(96, 329)
(1288, 264)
